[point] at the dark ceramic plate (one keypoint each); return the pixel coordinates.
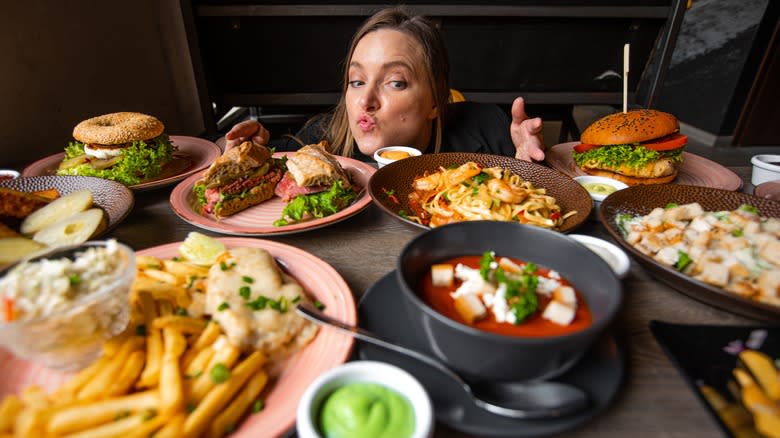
(599, 373)
(398, 177)
(640, 200)
(700, 354)
(114, 198)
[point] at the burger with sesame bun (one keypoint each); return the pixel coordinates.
(636, 147)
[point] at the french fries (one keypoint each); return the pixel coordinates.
(759, 390)
(155, 379)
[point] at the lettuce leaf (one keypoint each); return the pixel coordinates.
(140, 161)
(632, 155)
(317, 204)
(200, 193)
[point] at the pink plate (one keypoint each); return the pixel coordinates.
(328, 349)
(769, 189)
(194, 154)
(694, 169)
(259, 220)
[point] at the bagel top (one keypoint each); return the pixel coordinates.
(630, 127)
(118, 128)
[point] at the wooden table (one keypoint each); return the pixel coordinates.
(653, 401)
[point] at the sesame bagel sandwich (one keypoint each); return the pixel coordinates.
(127, 147)
(636, 147)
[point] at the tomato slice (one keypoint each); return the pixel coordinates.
(584, 147)
(667, 143)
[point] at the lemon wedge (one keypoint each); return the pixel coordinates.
(201, 249)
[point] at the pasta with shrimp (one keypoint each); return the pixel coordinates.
(472, 192)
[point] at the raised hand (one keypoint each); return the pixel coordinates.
(526, 133)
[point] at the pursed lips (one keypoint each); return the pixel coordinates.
(366, 123)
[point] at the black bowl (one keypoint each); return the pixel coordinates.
(480, 355)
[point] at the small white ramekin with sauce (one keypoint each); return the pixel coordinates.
(599, 187)
(389, 154)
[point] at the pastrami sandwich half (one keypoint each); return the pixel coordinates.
(242, 177)
(315, 185)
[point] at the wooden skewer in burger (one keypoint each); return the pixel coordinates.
(636, 147)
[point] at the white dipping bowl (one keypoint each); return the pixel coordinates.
(364, 371)
(8, 174)
(615, 257)
(382, 161)
(597, 197)
(766, 167)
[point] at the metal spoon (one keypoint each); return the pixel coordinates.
(527, 400)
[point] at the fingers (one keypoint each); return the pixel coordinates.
(246, 130)
(518, 111)
(526, 133)
(528, 139)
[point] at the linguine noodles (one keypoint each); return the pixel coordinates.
(471, 192)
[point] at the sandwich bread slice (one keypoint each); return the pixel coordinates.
(242, 177)
(315, 185)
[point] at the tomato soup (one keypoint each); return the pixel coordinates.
(440, 299)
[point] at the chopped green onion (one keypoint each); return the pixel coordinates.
(748, 208)
(219, 373)
(258, 303)
(148, 414)
(223, 306)
(258, 406)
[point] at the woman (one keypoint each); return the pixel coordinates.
(395, 92)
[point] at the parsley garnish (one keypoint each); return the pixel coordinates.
(683, 260)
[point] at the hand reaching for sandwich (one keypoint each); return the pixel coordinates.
(248, 130)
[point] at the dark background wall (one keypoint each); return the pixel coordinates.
(705, 86)
(66, 61)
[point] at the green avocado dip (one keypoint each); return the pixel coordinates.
(358, 410)
(599, 188)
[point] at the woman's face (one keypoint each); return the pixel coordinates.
(389, 100)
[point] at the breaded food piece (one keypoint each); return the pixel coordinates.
(18, 204)
(50, 194)
(6, 231)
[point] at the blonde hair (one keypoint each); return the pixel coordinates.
(435, 60)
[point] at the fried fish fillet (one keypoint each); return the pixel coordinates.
(18, 204)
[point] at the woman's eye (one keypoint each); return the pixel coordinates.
(355, 84)
(398, 85)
